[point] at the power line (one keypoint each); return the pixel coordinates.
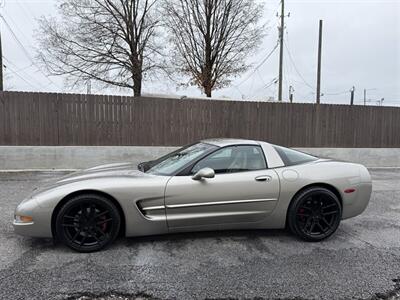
(16, 39)
(266, 86)
(259, 65)
(275, 11)
(18, 75)
(286, 77)
(267, 57)
(272, 82)
(259, 75)
(251, 86)
(295, 67)
(26, 11)
(335, 94)
(22, 70)
(26, 52)
(15, 25)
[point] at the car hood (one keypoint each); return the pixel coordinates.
(111, 170)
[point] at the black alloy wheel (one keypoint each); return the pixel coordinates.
(315, 214)
(88, 223)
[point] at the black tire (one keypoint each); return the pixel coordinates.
(314, 214)
(88, 223)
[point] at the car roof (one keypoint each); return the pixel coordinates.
(223, 142)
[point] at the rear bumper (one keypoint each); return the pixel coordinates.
(356, 204)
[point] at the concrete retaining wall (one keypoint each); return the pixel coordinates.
(68, 158)
(32, 157)
(369, 157)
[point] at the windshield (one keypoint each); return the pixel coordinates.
(173, 162)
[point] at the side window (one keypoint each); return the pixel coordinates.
(223, 153)
(292, 157)
(233, 159)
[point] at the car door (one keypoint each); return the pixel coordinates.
(242, 191)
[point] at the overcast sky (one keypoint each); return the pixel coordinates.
(361, 48)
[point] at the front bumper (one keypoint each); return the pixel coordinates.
(40, 226)
(25, 229)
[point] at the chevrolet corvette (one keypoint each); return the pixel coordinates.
(215, 184)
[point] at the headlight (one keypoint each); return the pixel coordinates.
(23, 219)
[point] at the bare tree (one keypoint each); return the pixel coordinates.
(112, 41)
(212, 38)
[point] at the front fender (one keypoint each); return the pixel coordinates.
(125, 190)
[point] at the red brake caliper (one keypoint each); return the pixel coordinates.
(104, 225)
(301, 211)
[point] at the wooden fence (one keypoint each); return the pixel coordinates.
(96, 120)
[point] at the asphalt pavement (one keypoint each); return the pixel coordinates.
(361, 261)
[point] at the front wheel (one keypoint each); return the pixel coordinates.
(88, 223)
(314, 214)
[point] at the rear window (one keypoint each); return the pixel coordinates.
(292, 157)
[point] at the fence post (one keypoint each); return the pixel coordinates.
(57, 120)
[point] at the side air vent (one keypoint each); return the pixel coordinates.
(151, 211)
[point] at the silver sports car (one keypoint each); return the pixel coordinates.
(210, 185)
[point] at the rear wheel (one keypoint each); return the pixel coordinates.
(88, 223)
(314, 214)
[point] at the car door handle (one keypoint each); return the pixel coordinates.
(263, 178)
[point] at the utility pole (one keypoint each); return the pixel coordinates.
(291, 90)
(365, 94)
(89, 87)
(365, 97)
(281, 32)
(318, 100)
(352, 95)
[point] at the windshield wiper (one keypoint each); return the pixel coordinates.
(140, 166)
(145, 166)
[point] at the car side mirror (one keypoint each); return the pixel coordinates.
(204, 173)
